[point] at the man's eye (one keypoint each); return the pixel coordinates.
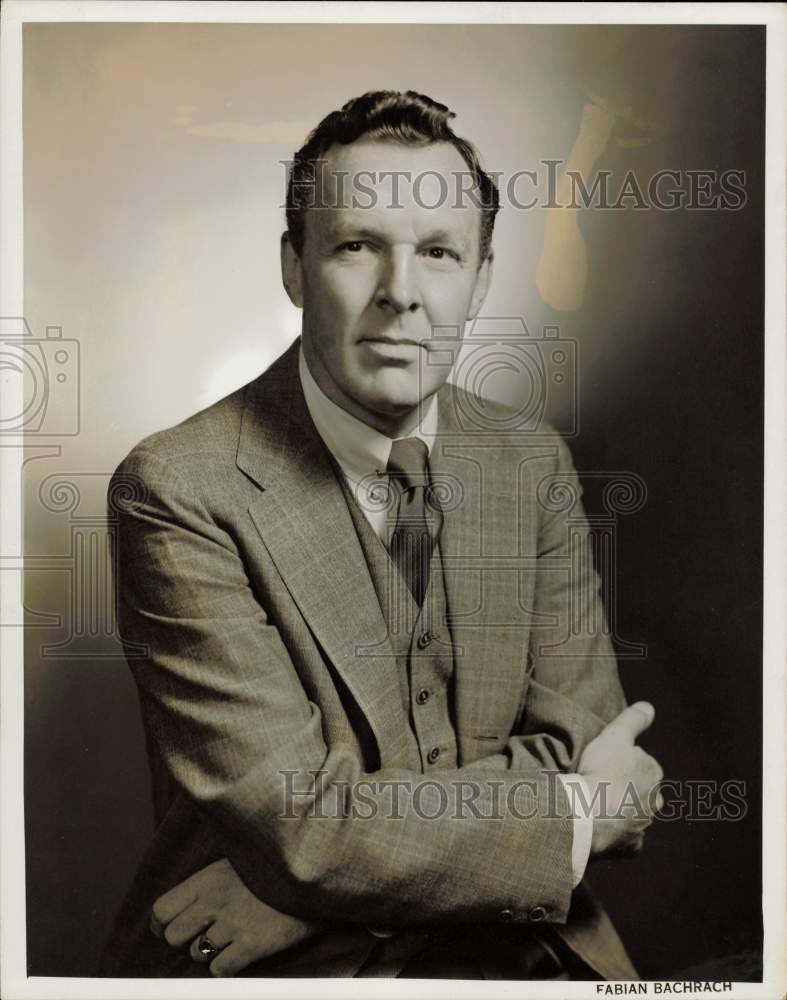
(440, 253)
(353, 246)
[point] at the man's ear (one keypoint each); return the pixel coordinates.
(291, 272)
(482, 283)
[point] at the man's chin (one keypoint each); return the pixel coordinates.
(394, 415)
(390, 395)
(395, 409)
(399, 403)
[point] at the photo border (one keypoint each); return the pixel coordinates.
(15, 982)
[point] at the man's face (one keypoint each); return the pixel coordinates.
(374, 281)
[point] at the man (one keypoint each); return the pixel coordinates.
(348, 584)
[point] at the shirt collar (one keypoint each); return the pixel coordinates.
(359, 449)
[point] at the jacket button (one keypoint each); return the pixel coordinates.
(434, 753)
(422, 697)
(505, 916)
(537, 914)
(424, 640)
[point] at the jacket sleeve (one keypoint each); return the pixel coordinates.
(303, 825)
(575, 689)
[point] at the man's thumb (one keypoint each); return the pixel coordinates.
(632, 721)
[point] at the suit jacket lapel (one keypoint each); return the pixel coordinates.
(303, 520)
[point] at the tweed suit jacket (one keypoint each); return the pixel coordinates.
(267, 659)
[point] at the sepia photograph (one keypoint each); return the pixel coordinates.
(393, 500)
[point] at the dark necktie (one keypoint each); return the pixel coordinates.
(418, 516)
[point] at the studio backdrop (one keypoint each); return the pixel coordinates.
(155, 165)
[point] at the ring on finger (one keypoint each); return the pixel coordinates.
(206, 948)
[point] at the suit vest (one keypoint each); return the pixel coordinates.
(422, 644)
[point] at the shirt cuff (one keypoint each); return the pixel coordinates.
(578, 794)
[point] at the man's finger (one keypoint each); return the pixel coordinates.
(655, 799)
(187, 925)
(632, 721)
(234, 959)
(168, 906)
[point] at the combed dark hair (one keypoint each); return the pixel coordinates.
(386, 115)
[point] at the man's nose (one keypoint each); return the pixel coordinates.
(397, 289)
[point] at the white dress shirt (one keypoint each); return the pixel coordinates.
(362, 454)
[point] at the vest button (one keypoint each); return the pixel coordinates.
(537, 914)
(505, 916)
(422, 697)
(434, 753)
(424, 640)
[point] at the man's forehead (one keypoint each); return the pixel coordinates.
(391, 154)
(380, 184)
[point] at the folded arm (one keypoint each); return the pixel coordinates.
(228, 713)
(575, 688)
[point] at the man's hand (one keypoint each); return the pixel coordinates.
(216, 903)
(622, 779)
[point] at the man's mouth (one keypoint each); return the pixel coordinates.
(392, 342)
